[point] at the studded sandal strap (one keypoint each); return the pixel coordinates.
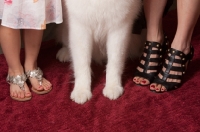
(171, 58)
(151, 51)
(17, 80)
(151, 48)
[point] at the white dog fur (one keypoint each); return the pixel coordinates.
(98, 30)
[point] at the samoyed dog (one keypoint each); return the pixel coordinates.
(98, 30)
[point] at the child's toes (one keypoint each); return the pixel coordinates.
(14, 94)
(27, 94)
(46, 86)
(40, 87)
(21, 95)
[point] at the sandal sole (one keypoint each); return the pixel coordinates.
(41, 92)
(21, 100)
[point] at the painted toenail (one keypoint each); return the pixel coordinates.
(143, 81)
(153, 86)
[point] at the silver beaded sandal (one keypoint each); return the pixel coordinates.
(38, 74)
(18, 80)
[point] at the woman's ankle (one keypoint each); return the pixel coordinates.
(155, 36)
(183, 47)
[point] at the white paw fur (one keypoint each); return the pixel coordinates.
(113, 92)
(63, 55)
(80, 96)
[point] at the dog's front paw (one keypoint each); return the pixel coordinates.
(80, 96)
(63, 55)
(113, 92)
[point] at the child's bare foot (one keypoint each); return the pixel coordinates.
(18, 88)
(39, 84)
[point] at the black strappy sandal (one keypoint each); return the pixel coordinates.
(171, 58)
(151, 48)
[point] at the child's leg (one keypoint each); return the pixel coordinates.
(32, 42)
(11, 44)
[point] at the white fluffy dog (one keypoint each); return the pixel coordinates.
(99, 30)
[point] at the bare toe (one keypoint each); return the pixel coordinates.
(163, 89)
(17, 92)
(158, 88)
(152, 86)
(144, 81)
(47, 85)
(21, 94)
(136, 80)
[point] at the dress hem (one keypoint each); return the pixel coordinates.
(29, 27)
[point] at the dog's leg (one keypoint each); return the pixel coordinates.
(62, 37)
(63, 54)
(81, 50)
(116, 49)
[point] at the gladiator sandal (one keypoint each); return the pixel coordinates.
(18, 80)
(151, 48)
(178, 57)
(38, 74)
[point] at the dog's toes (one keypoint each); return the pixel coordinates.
(63, 55)
(81, 96)
(113, 92)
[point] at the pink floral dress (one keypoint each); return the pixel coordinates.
(30, 14)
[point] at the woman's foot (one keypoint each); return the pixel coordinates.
(150, 62)
(39, 84)
(173, 69)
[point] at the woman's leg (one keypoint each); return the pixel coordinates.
(153, 12)
(188, 14)
(32, 42)
(11, 44)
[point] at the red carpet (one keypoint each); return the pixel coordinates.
(137, 110)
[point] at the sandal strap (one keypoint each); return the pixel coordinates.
(152, 48)
(17, 80)
(37, 73)
(172, 58)
(150, 51)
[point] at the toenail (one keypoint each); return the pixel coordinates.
(153, 86)
(143, 81)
